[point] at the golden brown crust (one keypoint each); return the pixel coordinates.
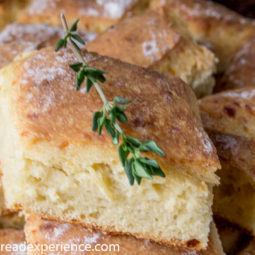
(14, 238)
(209, 22)
(42, 231)
(18, 38)
(128, 42)
(241, 71)
(46, 102)
(93, 15)
(159, 46)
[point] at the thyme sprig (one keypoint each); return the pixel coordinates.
(112, 113)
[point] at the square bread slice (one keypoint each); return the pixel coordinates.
(159, 46)
(94, 15)
(18, 38)
(42, 231)
(223, 30)
(54, 165)
(229, 119)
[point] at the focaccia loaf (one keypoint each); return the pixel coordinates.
(54, 165)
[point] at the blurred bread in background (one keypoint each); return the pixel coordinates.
(94, 15)
(223, 30)
(232, 237)
(241, 70)
(159, 46)
(19, 38)
(9, 10)
(229, 119)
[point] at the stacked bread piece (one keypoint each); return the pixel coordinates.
(40, 231)
(69, 182)
(63, 171)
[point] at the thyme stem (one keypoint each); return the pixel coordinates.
(135, 165)
(81, 59)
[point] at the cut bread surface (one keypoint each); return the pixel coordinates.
(62, 169)
(159, 46)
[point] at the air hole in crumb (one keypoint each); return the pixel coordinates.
(94, 215)
(82, 216)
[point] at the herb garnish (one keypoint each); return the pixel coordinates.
(136, 166)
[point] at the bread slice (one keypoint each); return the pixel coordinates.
(160, 46)
(229, 119)
(42, 231)
(54, 165)
(12, 242)
(223, 30)
(17, 38)
(94, 15)
(240, 73)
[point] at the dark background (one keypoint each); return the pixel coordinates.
(244, 7)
